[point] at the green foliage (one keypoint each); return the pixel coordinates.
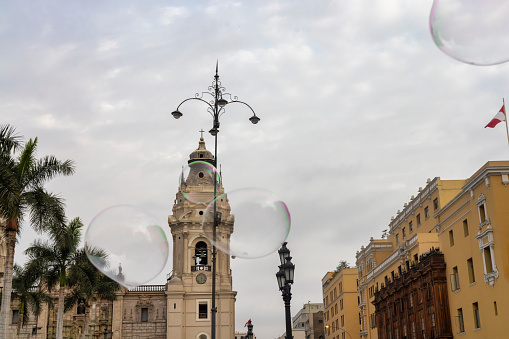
(342, 265)
(67, 265)
(22, 179)
(27, 287)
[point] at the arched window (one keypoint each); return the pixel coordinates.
(200, 254)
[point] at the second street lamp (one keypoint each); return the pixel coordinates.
(216, 108)
(285, 279)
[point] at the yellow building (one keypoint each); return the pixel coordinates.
(411, 233)
(468, 220)
(340, 299)
(473, 231)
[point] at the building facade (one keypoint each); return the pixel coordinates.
(180, 309)
(468, 221)
(340, 300)
(410, 233)
(412, 305)
(473, 232)
(310, 318)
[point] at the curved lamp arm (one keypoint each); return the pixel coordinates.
(177, 114)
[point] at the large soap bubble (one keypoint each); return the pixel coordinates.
(126, 244)
(472, 31)
(261, 222)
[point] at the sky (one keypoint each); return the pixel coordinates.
(358, 108)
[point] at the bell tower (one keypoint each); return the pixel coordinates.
(189, 288)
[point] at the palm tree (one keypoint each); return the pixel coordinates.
(87, 283)
(67, 266)
(22, 177)
(26, 286)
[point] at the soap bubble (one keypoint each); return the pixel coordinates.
(126, 244)
(197, 182)
(472, 31)
(260, 222)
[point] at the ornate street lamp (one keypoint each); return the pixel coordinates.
(284, 280)
(216, 108)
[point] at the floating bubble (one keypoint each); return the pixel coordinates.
(260, 222)
(126, 244)
(197, 182)
(472, 31)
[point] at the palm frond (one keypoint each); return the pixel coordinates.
(47, 168)
(10, 141)
(47, 210)
(26, 160)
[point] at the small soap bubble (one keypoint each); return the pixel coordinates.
(260, 222)
(197, 182)
(126, 244)
(472, 31)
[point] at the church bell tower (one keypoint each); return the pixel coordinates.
(189, 289)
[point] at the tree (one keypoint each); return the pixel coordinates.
(342, 264)
(27, 288)
(86, 283)
(22, 179)
(67, 266)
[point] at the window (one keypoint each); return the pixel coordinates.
(482, 213)
(202, 311)
(144, 314)
(426, 212)
(410, 227)
(341, 304)
(495, 308)
(418, 218)
(451, 238)
(465, 227)
(15, 316)
(403, 230)
(461, 324)
(471, 275)
(342, 321)
(397, 238)
(435, 204)
(477, 320)
(455, 284)
(487, 259)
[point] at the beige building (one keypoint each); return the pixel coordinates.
(180, 309)
(340, 300)
(310, 318)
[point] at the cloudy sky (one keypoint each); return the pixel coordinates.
(358, 108)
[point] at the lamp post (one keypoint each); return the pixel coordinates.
(285, 279)
(216, 108)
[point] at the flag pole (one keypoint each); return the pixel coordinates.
(506, 128)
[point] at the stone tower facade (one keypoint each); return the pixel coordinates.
(188, 291)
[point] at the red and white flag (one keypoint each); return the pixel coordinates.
(498, 118)
(248, 323)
